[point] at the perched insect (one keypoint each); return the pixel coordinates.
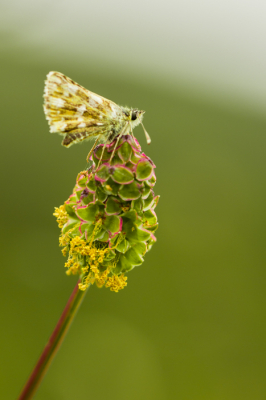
(79, 114)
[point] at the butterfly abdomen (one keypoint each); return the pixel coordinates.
(73, 138)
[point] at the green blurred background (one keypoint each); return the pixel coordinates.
(190, 325)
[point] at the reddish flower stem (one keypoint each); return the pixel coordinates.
(53, 344)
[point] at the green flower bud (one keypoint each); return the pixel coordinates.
(108, 223)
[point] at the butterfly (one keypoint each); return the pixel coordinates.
(78, 114)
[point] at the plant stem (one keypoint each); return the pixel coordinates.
(53, 344)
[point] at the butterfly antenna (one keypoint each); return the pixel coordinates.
(146, 133)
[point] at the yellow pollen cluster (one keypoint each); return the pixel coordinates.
(61, 215)
(116, 283)
(86, 257)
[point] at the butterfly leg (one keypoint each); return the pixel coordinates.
(117, 140)
(100, 160)
(93, 147)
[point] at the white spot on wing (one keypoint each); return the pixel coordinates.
(114, 110)
(95, 100)
(57, 102)
(82, 125)
(56, 79)
(93, 104)
(98, 98)
(72, 88)
(51, 87)
(82, 109)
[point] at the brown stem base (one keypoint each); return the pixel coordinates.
(53, 344)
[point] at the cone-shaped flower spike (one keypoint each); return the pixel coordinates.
(108, 223)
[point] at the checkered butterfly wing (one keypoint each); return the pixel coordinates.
(75, 112)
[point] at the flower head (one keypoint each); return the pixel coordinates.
(108, 223)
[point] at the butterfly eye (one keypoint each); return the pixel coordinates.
(133, 116)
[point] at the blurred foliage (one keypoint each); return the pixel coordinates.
(191, 322)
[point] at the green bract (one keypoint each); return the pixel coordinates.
(108, 223)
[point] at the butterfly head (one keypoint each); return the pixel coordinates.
(136, 117)
(136, 114)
